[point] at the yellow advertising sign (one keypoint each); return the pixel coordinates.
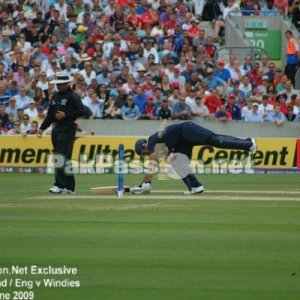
(271, 153)
(30, 151)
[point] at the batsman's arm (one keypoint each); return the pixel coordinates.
(148, 176)
(145, 186)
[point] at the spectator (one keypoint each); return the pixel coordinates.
(232, 108)
(297, 108)
(111, 109)
(25, 124)
(290, 116)
(236, 70)
(12, 107)
(140, 98)
(40, 98)
(212, 81)
(181, 111)
(292, 53)
(269, 10)
(43, 83)
(248, 64)
(176, 77)
(277, 77)
(272, 72)
(265, 82)
(40, 115)
(250, 8)
(235, 90)
(16, 130)
(34, 128)
(277, 116)
(265, 108)
(164, 112)
(222, 114)
(31, 110)
(149, 112)
(232, 9)
(158, 96)
(222, 72)
(296, 15)
(209, 47)
(61, 32)
(254, 116)
(130, 86)
(247, 109)
(281, 5)
(10, 123)
(199, 109)
(96, 106)
(141, 78)
(281, 100)
(212, 101)
(253, 74)
(165, 85)
(190, 94)
(88, 73)
(246, 87)
(288, 91)
(12, 88)
(5, 42)
(174, 98)
(130, 111)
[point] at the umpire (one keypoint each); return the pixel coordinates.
(180, 139)
(64, 108)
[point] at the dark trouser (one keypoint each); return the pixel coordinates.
(290, 71)
(63, 139)
(195, 135)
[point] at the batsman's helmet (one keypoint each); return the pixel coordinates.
(139, 146)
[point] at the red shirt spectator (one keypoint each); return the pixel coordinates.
(209, 47)
(213, 102)
(281, 98)
(134, 18)
(121, 2)
(281, 5)
(222, 114)
(148, 18)
(194, 30)
(171, 23)
(253, 75)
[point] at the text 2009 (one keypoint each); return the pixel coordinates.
(23, 295)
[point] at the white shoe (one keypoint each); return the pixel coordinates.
(66, 191)
(55, 190)
(253, 147)
(195, 190)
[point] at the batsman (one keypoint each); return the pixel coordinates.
(177, 142)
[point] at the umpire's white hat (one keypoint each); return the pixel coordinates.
(61, 77)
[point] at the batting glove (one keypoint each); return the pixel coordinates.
(144, 188)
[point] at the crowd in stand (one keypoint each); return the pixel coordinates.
(131, 60)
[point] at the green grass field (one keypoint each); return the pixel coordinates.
(238, 240)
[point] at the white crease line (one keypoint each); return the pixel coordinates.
(201, 197)
(231, 192)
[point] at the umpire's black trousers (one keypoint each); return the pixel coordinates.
(63, 137)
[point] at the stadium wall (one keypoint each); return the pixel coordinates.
(235, 128)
